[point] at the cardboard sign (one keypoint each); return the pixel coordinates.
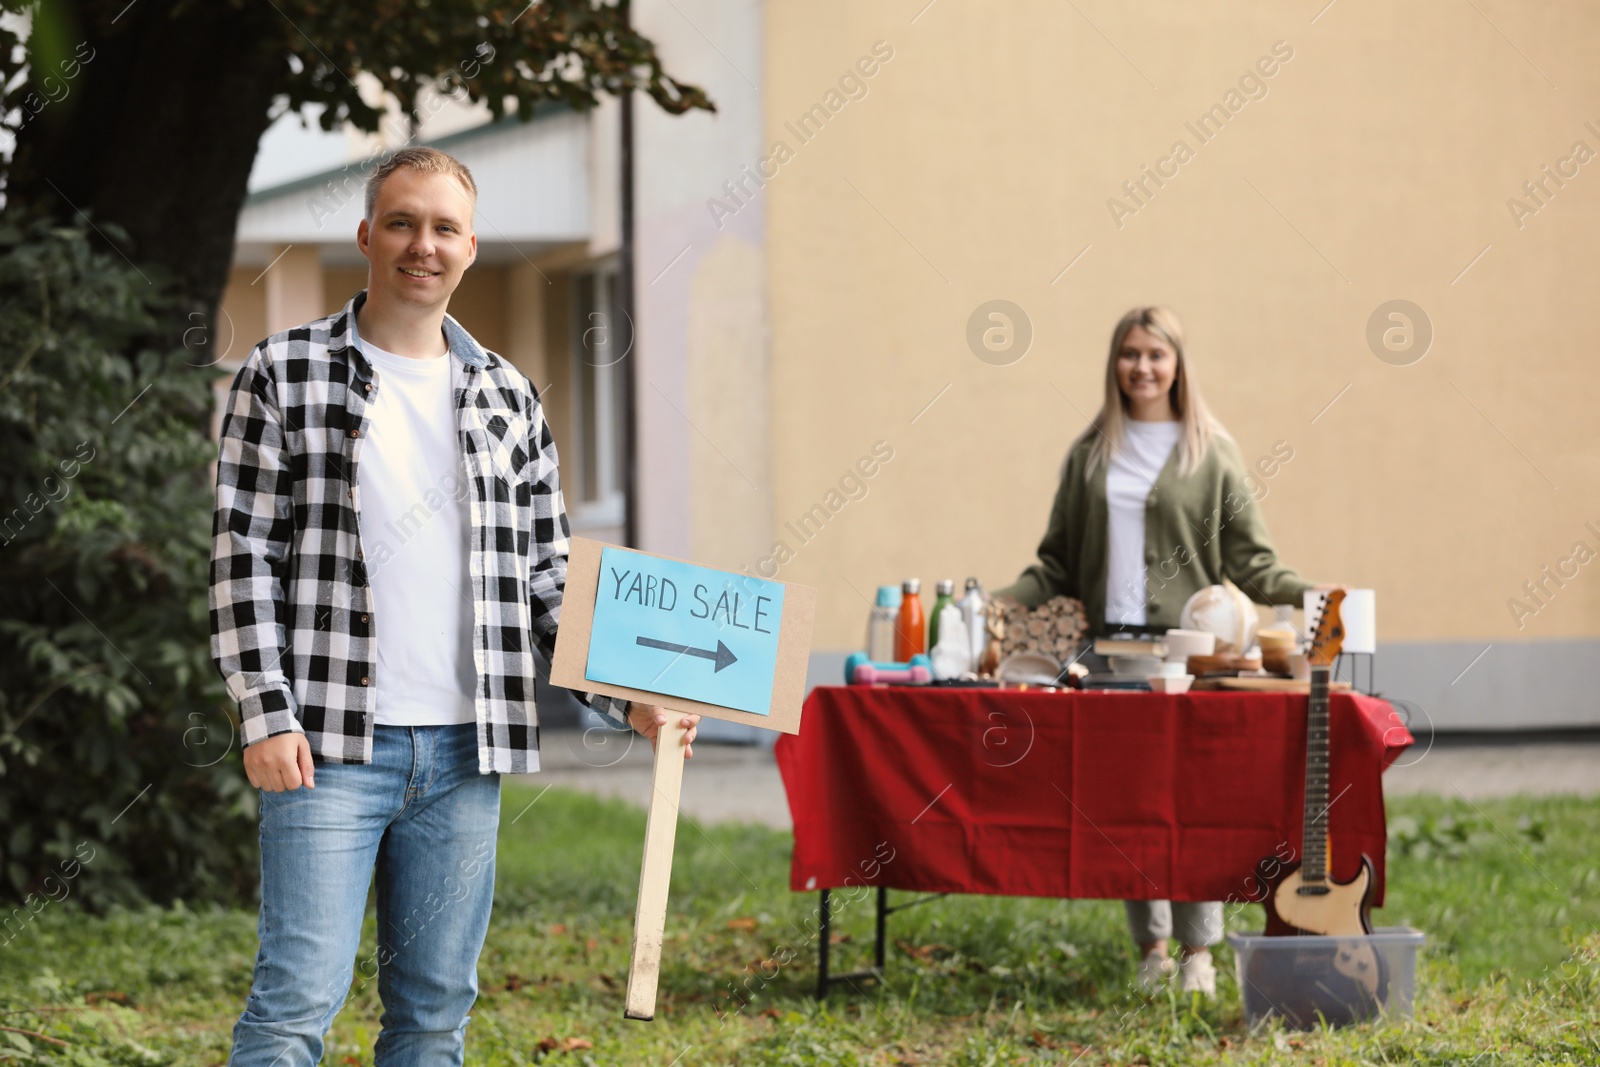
(666, 626)
(691, 638)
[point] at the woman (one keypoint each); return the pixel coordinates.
(1155, 504)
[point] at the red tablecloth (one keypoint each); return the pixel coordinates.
(1097, 795)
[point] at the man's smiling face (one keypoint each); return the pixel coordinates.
(420, 240)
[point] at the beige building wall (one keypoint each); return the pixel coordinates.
(526, 312)
(556, 330)
(339, 285)
(727, 393)
(293, 284)
(243, 314)
(700, 361)
(1375, 163)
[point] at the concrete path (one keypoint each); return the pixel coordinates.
(740, 783)
(1479, 767)
(722, 783)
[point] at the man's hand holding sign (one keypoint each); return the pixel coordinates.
(676, 637)
(648, 719)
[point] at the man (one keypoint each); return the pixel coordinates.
(389, 556)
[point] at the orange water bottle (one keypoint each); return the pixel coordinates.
(910, 632)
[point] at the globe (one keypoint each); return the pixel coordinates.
(1224, 611)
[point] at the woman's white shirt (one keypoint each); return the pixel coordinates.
(1130, 475)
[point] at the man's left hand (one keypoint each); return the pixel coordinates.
(648, 719)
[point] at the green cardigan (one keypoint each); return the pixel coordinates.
(1197, 530)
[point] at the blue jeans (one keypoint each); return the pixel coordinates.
(425, 819)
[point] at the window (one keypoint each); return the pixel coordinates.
(599, 347)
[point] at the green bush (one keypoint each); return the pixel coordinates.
(117, 751)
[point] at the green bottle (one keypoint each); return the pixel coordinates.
(947, 593)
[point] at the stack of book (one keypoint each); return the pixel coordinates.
(1127, 646)
(1132, 645)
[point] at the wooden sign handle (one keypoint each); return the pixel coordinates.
(655, 873)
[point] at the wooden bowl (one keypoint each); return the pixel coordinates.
(1276, 641)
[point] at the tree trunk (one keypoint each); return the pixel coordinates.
(158, 135)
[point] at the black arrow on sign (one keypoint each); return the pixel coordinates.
(723, 656)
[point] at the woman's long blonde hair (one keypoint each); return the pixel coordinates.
(1106, 429)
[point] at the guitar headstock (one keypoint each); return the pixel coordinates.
(1328, 635)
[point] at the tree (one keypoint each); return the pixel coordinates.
(114, 732)
(136, 124)
(147, 113)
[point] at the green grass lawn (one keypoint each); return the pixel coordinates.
(1507, 891)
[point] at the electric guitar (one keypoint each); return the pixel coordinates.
(1303, 898)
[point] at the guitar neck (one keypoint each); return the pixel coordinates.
(1314, 839)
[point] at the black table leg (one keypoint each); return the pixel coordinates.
(883, 926)
(880, 948)
(822, 949)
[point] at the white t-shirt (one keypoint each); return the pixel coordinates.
(415, 530)
(1129, 477)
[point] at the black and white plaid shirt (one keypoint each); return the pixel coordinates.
(292, 617)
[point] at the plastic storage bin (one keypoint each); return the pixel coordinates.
(1306, 980)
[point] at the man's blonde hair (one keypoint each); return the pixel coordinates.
(425, 160)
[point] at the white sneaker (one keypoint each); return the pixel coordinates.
(1197, 974)
(1154, 970)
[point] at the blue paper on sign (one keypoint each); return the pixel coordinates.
(684, 630)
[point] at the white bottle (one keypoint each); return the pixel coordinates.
(952, 656)
(971, 604)
(881, 623)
